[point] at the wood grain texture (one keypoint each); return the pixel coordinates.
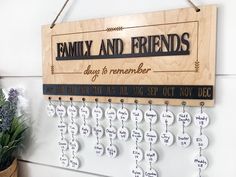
(198, 68)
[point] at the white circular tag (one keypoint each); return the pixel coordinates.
(98, 131)
(61, 111)
(151, 173)
(63, 144)
(74, 163)
(111, 132)
(167, 138)
(122, 114)
(123, 134)
(183, 140)
(99, 149)
(150, 136)
(200, 141)
(97, 113)
(150, 116)
(167, 117)
(110, 113)
(137, 135)
(62, 127)
(184, 118)
(72, 111)
(84, 112)
(137, 172)
(111, 151)
(201, 120)
(73, 128)
(64, 160)
(85, 130)
(74, 146)
(151, 156)
(51, 110)
(137, 154)
(136, 115)
(201, 162)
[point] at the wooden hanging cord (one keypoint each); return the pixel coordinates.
(54, 21)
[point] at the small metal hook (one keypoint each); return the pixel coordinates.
(50, 100)
(71, 101)
(136, 103)
(96, 100)
(184, 104)
(109, 101)
(59, 100)
(150, 104)
(194, 6)
(202, 105)
(167, 104)
(122, 103)
(83, 99)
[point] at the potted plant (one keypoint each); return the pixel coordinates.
(12, 128)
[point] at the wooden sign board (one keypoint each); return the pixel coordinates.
(158, 56)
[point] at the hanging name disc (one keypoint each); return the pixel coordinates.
(84, 112)
(62, 127)
(184, 118)
(167, 138)
(137, 172)
(51, 110)
(123, 134)
(151, 173)
(72, 111)
(61, 111)
(85, 130)
(151, 136)
(123, 114)
(201, 120)
(201, 162)
(151, 156)
(150, 116)
(110, 113)
(99, 149)
(183, 140)
(111, 132)
(63, 144)
(64, 160)
(97, 113)
(136, 115)
(200, 141)
(73, 128)
(74, 145)
(137, 154)
(111, 151)
(74, 163)
(167, 117)
(137, 135)
(98, 131)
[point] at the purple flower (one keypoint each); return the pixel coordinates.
(13, 96)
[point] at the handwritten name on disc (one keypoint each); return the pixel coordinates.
(201, 120)
(51, 110)
(73, 128)
(99, 149)
(123, 134)
(151, 173)
(64, 160)
(61, 111)
(201, 162)
(137, 135)
(137, 172)
(184, 118)
(84, 112)
(72, 111)
(151, 156)
(123, 114)
(167, 138)
(62, 127)
(111, 132)
(110, 113)
(183, 140)
(137, 153)
(74, 146)
(74, 163)
(97, 113)
(111, 151)
(85, 130)
(150, 116)
(151, 136)
(98, 131)
(136, 115)
(167, 117)
(63, 144)
(200, 141)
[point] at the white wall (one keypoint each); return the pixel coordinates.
(20, 64)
